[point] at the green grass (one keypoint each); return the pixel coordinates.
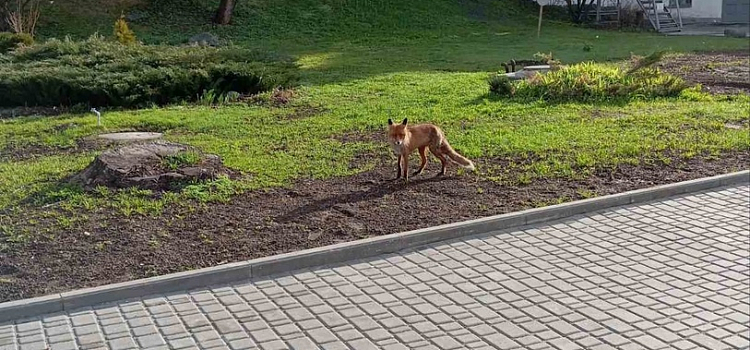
(565, 139)
(176, 161)
(362, 63)
(343, 40)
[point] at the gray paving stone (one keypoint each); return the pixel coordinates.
(650, 342)
(150, 341)
(31, 338)
(707, 342)
(615, 340)
(68, 345)
(182, 343)
(82, 320)
(564, 344)
(378, 334)
(737, 342)
(60, 338)
(212, 344)
(670, 274)
(363, 344)
(33, 346)
(273, 345)
(122, 343)
(144, 330)
(562, 327)
(446, 343)
(263, 335)
(499, 341)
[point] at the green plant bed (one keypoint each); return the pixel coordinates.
(103, 73)
(591, 82)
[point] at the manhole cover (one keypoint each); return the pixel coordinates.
(131, 136)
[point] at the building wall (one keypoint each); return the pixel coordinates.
(703, 9)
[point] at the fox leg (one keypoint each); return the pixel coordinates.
(423, 157)
(443, 160)
(443, 164)
(398, 168)
(406, 168)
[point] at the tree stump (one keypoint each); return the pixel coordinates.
(158, 165)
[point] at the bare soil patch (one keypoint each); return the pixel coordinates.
(21, 111)
(718, 72)
(304, 112)
(105, 247)
(26, 152)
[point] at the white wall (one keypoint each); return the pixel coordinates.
(704, 9)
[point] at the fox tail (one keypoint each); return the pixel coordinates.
(455, 157)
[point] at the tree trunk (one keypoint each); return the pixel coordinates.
(585, 11)
(578, 10)
(224, 13)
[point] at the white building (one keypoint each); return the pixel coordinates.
(724, 11)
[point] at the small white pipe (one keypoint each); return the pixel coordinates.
(98, 117)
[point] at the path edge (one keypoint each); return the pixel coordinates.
(337, 253)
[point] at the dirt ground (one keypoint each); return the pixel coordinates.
(717, 72)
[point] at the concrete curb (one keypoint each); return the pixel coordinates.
(337, 253)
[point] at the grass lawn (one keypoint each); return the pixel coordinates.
(361, 63)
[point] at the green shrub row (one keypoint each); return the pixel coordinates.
(9, 41)
(97, 72)
(591, 82)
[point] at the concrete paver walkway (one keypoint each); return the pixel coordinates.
(672, 274)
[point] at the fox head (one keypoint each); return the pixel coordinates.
(397, 132)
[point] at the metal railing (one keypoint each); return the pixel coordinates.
(679, 16)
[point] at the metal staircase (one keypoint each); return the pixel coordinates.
(661, 19)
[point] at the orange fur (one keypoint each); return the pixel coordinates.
(404, 139)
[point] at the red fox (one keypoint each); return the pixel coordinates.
(405, 139)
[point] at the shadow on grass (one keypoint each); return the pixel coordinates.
(343, 61)
(481, 99)
(51, 193)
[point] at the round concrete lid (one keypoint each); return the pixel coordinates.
(131, 136)
(540, 67)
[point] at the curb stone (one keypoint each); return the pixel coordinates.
(342, 252)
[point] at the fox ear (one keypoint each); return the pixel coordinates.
(390, 122)
(404, 122)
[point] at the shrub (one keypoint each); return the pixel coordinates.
(547, 58)
(500, 85)
(633, 18)
(9, 41)
(639, 63)
(123, 33)
(588, 82)
(101, 73)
